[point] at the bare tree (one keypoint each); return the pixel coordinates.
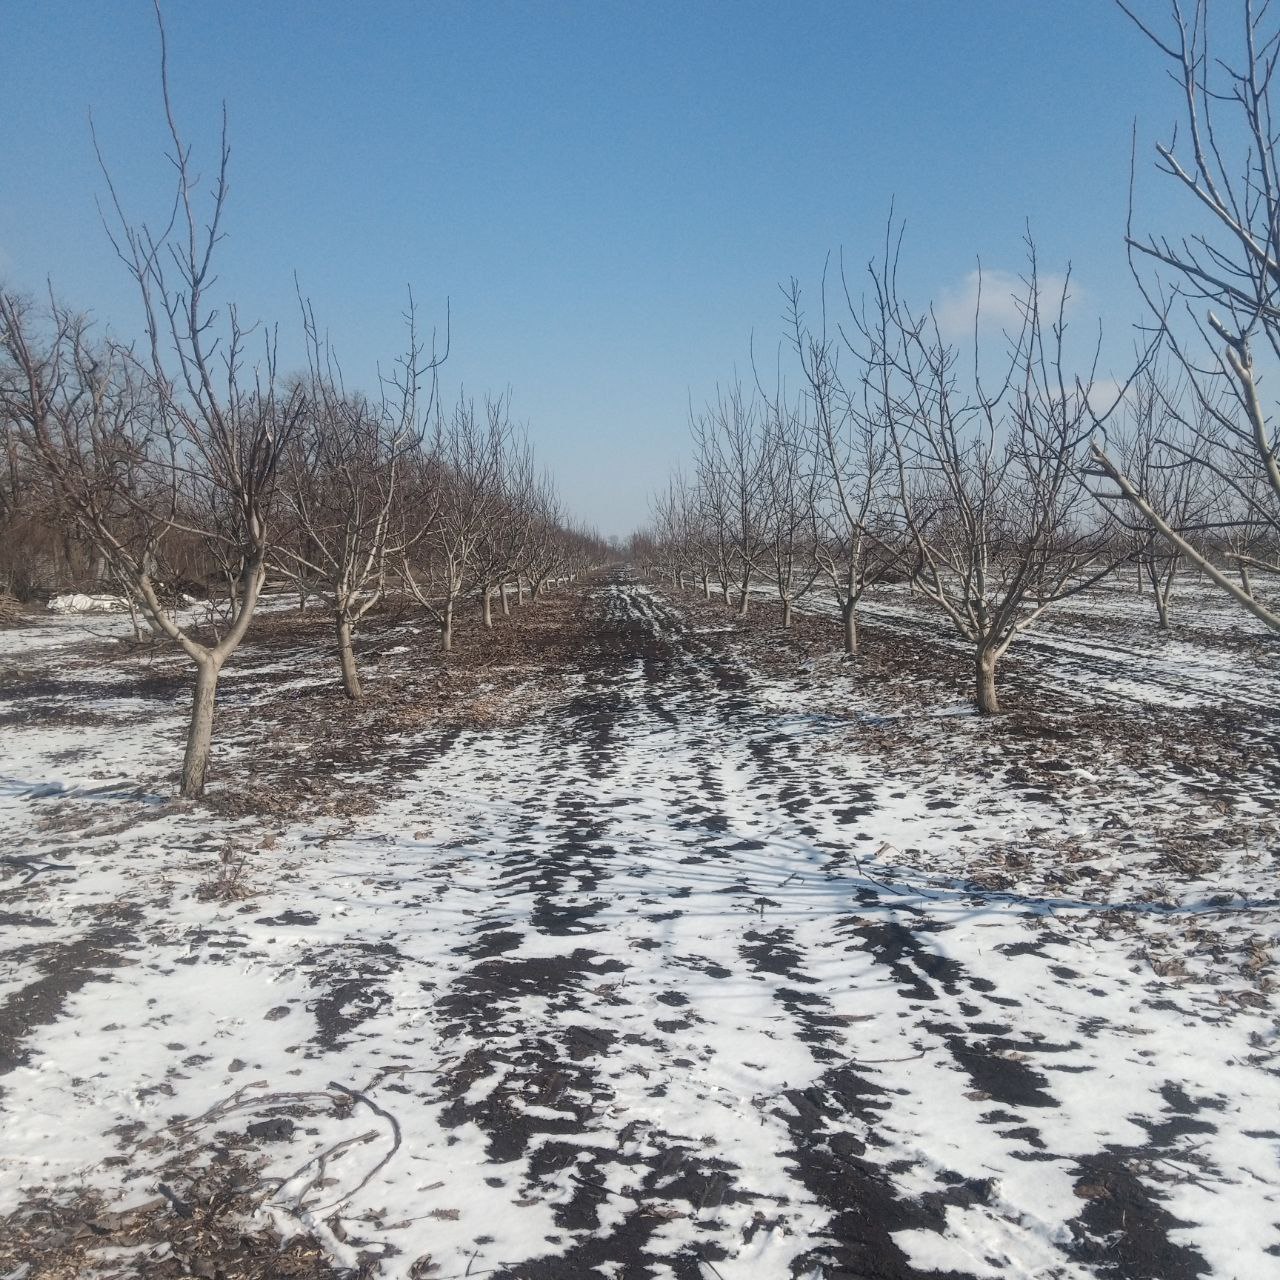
(76, 415)
(1248, 540)
(449, 502)
(731, 477)
(137, 467)
(712, 512)
(788, 501)
(342, 483)
(546, 549)
(989, 482)
(31, 530)
(1153, 414)
(855, 539)
(669, 530)
(1216, 292)
(502, 527)
(186, 437)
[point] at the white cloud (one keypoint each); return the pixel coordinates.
(1104, 393)
(997, 291)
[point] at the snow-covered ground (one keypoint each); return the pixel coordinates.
(715, 966)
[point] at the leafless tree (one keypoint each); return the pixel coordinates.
(1216, 292)
(989, 480)
(789, 497)
(185, 437)
(731, 478)
(136, 469)
(855, 538)
(711, 513)
(584, 550)
(1248, 540)
(342, 486)
(31, 530)
(505, 517)
(545, 555)
(669, 534)
(451, 495)
(1153, 410)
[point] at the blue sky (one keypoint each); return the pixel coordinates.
(609, 194)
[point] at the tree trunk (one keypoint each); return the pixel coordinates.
(486, 607)
(706, 586)
(849, 616)
(195, 764)
(745, 598)
(133, 616)
(988, 703)
(786, 612)
(446, 626)
(506, 604)
(346, 655)
(519, 590)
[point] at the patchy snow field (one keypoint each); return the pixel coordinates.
(724, 960)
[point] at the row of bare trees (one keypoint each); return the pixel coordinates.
(189, 461)
(396, 495)
(974, 480)
(196, 485)
(893, 459)
(1000, 478)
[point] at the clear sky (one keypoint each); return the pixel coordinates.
(609, 194)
